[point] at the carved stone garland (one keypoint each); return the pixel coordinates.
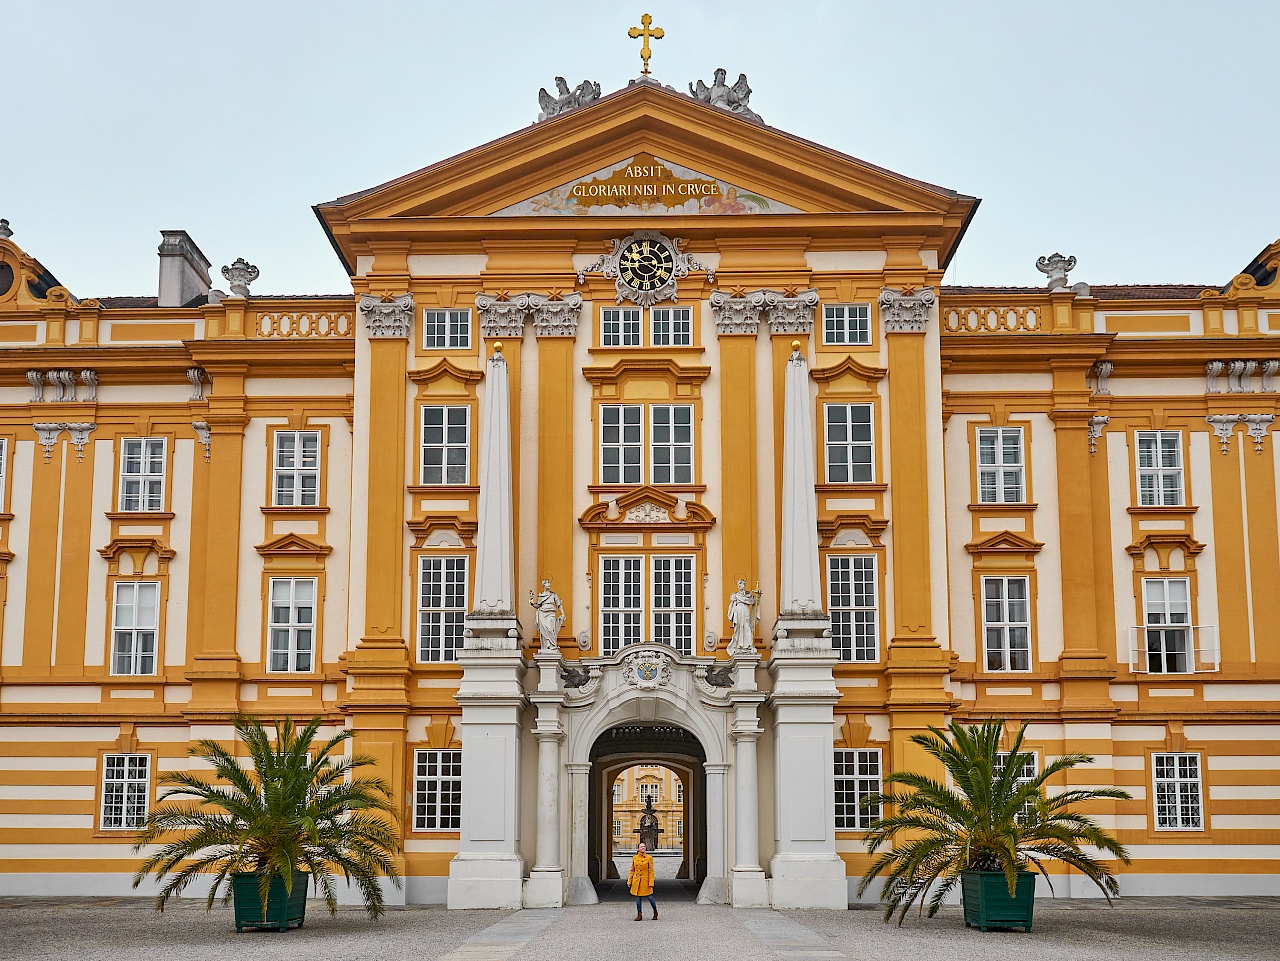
(906, 311)
(388, 316)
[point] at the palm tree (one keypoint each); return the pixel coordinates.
(299, 806)
(993, 819)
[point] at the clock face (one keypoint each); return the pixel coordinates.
(646, 264)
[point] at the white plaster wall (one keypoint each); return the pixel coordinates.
(1043, 458)
(359, 489)
(175, 631)
(249, 634)
(713, 477)
(526, 492)
(959, 531)
(21, 463)
(993, 383)
(1198, 461)
(766, 491)
(1117, 449)
(338, 536)
(298, 386)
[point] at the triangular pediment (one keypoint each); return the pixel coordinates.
(714, 163)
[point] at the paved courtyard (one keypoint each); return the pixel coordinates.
(128, 929)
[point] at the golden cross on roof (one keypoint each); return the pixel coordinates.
(657, 33)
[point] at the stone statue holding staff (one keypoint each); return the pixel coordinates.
(548, 615)
(744, 614)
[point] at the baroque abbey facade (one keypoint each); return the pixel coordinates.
(793, 501)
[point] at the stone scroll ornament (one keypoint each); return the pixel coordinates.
(564, 99)
(719, 94)
(906, 311)
(388, 316)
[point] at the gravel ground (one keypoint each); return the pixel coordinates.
(1140, 929)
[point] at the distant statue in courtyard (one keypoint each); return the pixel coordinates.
(649, 829)
(744, 614)
(548, 615)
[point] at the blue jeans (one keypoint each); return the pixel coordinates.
(640, 903)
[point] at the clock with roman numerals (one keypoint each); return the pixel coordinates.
(645, 266)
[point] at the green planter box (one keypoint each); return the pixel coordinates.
(987, 903)
(283, 910)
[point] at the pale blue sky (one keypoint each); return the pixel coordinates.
(1138, 136)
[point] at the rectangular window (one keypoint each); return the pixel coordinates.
(442, 604)
(671, 443)
(621, 443)
(617, 792)
(126, 791)
(1030, 767)
(142, 474)
(849, 444)
(617, 829)
(1160, 468)
(673, 602)
(135, 625)
(1000, 466)
(648, 792)
(446, 445)
(1178, 793)
(1166, 605)
(297, 468)
(446, 329)
(679, 792)
(292, 630)
(679, 827)
(620, 327)
(4, 467)
(620, 610)
(851, 598)
(1006, 623)
(437, 790)
(671, 326)
(857, 777)
(846, 324)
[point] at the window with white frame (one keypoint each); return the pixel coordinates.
(679, 792)
(846, 324)
(679, 827)
(1166, 606)
(1160, 468)
(297, 468)
(126, 791)
(617, 828)
(446, 444)
(1006, 623)
(849, 444)
(857, 777)
(671, 326)
(620, 327)
(620, 607)
(617, 792)
(4, 468)
(1178, 792)
(1030, 768)
(135, 627)
(673, 601)
(437, 790)
(671, 443)
(442, 605)
(621, 443)
(648, 792)
(851, 599)
(291, 631)
(1001, 473)
(446, 329)
(142, 474)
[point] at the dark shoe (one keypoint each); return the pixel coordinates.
(655, 915)
(639, 916)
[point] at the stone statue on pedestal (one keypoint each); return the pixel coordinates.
(649, 829)
(744, 614)
(548, 615)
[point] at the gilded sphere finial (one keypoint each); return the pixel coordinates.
(795, 345)
(497, 346)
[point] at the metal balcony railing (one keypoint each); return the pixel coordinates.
(1174, 649)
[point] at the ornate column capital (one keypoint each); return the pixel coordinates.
(556, 317)
(388, 316)
(737, 312)
(501, 316)
(791, 314)
(906, 311)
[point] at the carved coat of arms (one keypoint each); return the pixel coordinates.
(647, 670)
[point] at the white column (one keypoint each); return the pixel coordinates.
(715, 889)
(581, 890)
(488, 870)
(545, 886)
(749, 888)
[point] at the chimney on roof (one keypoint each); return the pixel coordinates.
(184, 270)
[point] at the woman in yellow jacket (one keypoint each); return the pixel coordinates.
(640, 881)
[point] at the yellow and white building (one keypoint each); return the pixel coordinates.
(726, 355)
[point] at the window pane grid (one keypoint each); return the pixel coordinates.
(671, 443)
(857, 776)
(671, 326)
(846, 324)
(851, 598)
(437, 790)
(446, 329)
(135, 626)
(620, 610)
(1166, 602)
(446, 445)
(126, 791)
(442, 605)
(673, 602)
(1000, 466)
(1178, 792)
(1006, 623)
(620, 327)
(1160, 468)
(142, 474)
(291, 624)
(848, 443)
(297, 468)
(621, 443)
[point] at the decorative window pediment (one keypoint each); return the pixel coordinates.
(1004, 544)
(441, 530)
(137, 549)
(851, 530)
(446, 378)
(293, 552)
(646, 507)
(847, 376)
(1163, 545)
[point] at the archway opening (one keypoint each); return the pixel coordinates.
(633, 764)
